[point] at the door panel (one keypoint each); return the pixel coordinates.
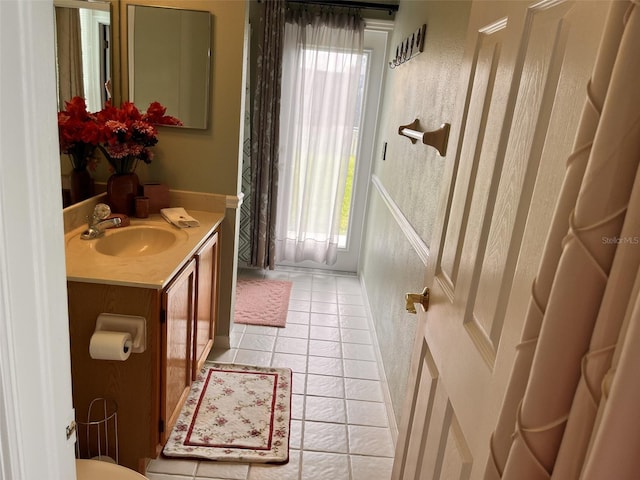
(447, 454)
(528, 67)
(487, 48)
(425, 399)
(456, 463)
(443, 453)
(547, 32)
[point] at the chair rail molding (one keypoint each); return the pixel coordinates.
(418, 244)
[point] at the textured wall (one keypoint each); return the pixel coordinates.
(424, 88)
(392, 268)
(207, 160)
(203, 160)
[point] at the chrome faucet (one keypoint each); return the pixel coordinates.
(98, 222)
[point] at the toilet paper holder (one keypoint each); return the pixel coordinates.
(134, 325)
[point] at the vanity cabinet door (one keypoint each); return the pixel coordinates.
(178, 314)
(206, 301)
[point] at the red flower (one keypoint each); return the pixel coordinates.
(78, 133)
(124, 135)
(156, 114)
(127, 134)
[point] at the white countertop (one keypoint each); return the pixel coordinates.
(86, 264)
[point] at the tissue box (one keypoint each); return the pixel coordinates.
(158, 194)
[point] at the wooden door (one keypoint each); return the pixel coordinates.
(206, 301)
(178, 310)
(526, 67)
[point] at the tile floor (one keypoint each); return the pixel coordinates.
(339, 428)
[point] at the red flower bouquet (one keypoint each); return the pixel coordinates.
(127, 134)
(79, 133)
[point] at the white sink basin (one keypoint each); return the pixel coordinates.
(136, 241)
(146, 253)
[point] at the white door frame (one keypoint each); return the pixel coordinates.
(35, 368)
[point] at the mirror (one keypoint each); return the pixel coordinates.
(83, 65)
(169, 57)
(83, 57)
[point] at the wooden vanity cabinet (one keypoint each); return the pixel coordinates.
(150, 387)
(133, 384)
(178, 306)
(189, 310)
(207, 261)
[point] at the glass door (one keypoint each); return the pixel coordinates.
(352, 211)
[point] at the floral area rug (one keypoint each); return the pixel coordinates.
(262, 302)
(235, 413)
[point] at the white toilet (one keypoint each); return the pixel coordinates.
(97, 470)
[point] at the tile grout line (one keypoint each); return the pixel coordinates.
(304, 403)
(347, 290)
(344, 386)
(304, 396)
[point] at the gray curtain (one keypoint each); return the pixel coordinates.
(265, 133)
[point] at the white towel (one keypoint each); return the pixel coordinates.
(179, 217)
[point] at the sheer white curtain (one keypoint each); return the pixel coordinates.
(321, 72)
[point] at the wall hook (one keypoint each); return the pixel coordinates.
(437, 139)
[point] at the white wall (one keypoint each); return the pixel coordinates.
(404, 197)
(35, 371)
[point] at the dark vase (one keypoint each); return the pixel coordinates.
(81, 185)
(122, 188)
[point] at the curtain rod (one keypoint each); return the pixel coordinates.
(390, 7)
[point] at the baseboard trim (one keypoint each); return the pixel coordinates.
(234, 201)
(222, 342)
(393, 425)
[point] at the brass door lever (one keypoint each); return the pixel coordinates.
(421, 298)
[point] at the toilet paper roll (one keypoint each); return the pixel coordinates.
(105, 345)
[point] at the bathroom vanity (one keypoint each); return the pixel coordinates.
(167, 275)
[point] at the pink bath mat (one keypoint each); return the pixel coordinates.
(262, 302)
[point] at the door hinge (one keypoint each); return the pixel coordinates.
(161, 426)
(70, 429)
(163, 316)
